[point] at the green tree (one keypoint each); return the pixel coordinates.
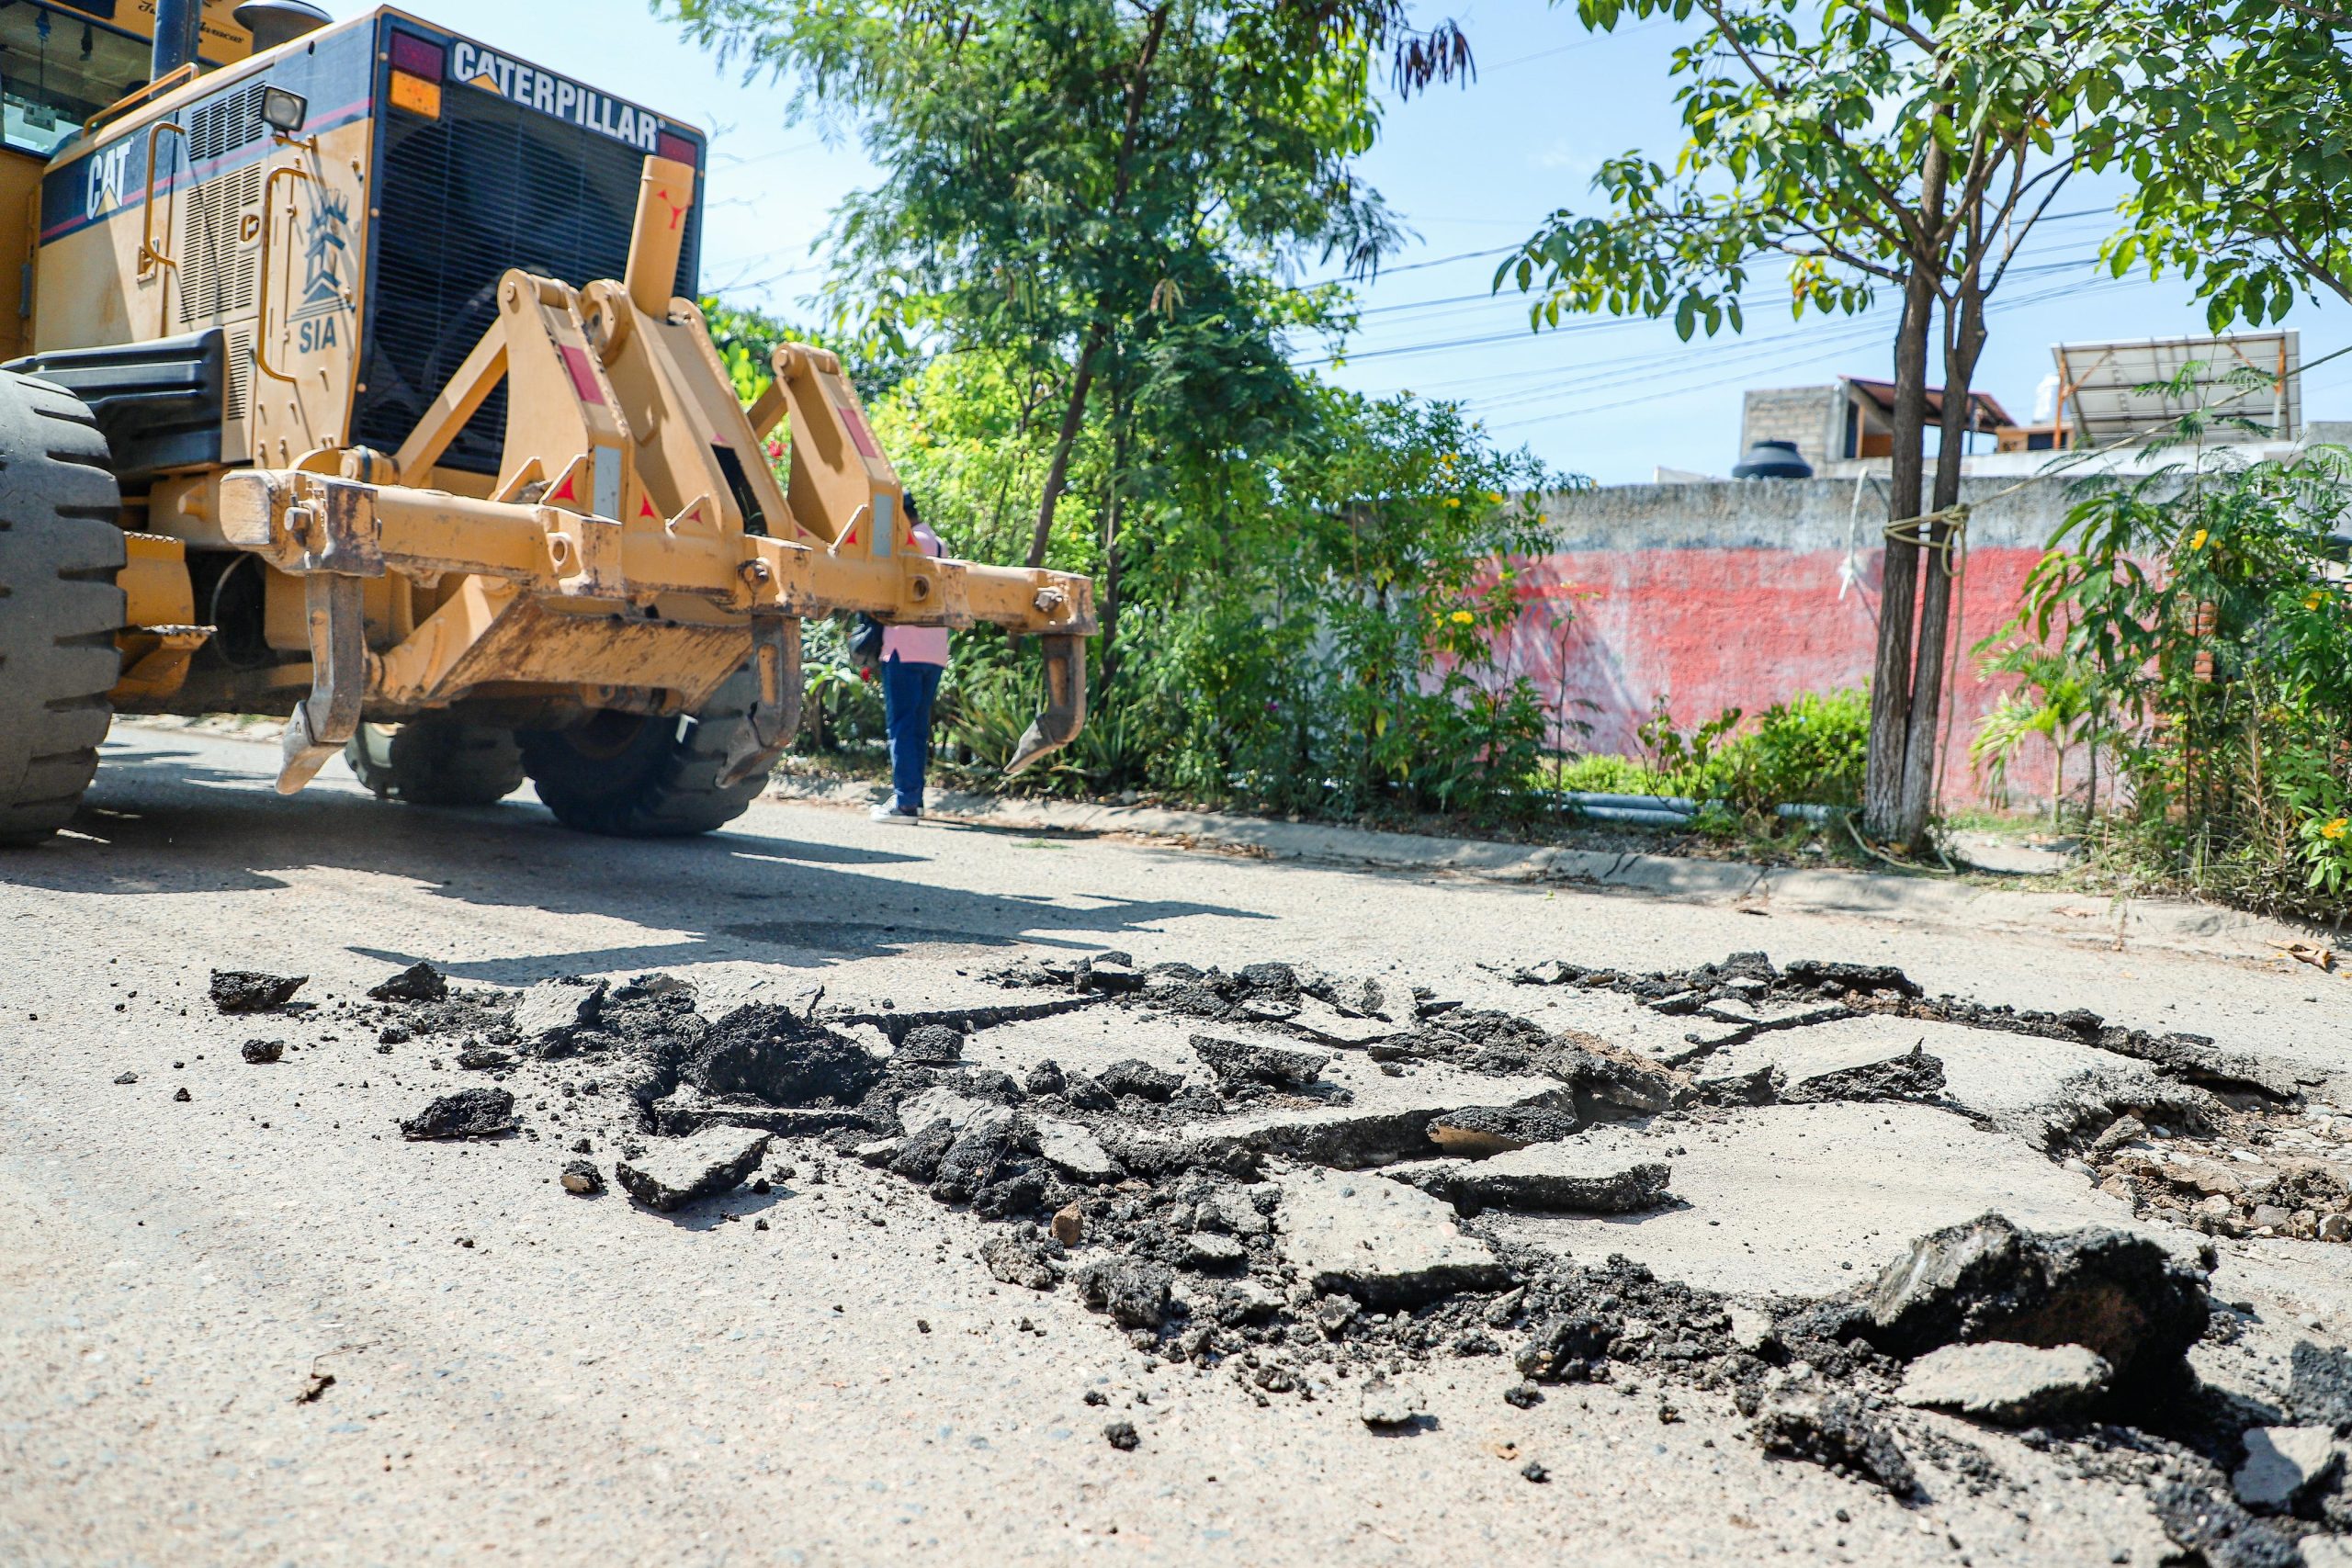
(2245, 179)
(2055, 699)
(1907, 148)
(1068, 180)
(2207, 604)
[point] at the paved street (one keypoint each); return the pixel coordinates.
(520, 1374)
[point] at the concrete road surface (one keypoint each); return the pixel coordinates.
(824, 1373)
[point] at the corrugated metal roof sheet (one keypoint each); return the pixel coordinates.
(2126, 390)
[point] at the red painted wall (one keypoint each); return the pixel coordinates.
(1718, 628)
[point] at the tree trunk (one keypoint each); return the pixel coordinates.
(1112, 510)
(1073, 420)
(1898, 576)
(1922, 742)
(1139, 79)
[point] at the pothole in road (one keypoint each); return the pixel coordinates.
(1322, 1186)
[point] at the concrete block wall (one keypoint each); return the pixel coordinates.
(1743, 593)
(1812, 417)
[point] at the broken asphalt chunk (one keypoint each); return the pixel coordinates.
(2319, 1385)
(1139, 1077)
(468, 1113)
(249, 991)
(931, 1044)
(1833, 1429)
(555, 1007)
(581, 1178)
(672, 1175)
(1211, 1253)
(1384, 1244)
(1568, 1346)
(417, 983)
(1389, 1406)
(773, 1055)
(2010, 1384)
(1133, 1290)
(1480, 1130)
(1912, 1075)
(1818, 975)
(260, 1052)
(1021, 1255)
(1243, 1061)
(2289, 1469)
(1560, 1177)
(2123, 1296)
(1075, 1153)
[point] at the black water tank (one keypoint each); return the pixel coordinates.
(1773, 460)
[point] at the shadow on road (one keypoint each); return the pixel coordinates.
(166, 818)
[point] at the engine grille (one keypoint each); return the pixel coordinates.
(487, 186)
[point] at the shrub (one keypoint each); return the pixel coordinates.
(2207, 602)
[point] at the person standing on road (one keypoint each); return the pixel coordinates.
(913, 659)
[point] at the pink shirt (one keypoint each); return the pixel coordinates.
(917, 645)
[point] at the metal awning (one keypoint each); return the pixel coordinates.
(2108, 389)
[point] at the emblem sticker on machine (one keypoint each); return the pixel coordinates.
(106, 173)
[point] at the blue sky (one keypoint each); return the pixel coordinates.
(1469, 172)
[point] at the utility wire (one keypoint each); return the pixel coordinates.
(1771, 350)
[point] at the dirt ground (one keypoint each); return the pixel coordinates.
(257, 1324)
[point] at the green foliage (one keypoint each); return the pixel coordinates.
(1603, 774)
(2056, 700)
(1858, 142)
(1806, 750)
(1849, 147)
(1313, 635)
(1077, 267)
(2207, 603)
(2236, 185)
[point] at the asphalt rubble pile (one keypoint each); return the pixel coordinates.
(1334, 1255)
(2215, 1158)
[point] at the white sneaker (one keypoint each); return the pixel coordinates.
(888, 812)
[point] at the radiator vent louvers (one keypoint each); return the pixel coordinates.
(488, 186)
(217, 272)
(239, 370)
(226, 124)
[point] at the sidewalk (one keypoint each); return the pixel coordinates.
(2081, 920)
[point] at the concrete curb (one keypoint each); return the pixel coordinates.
(2080, 920)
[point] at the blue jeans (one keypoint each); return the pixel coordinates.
(907, 693)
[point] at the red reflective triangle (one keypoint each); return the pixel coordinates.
(566, 492)
(849, 538)
(645, 508)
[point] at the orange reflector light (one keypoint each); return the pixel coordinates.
(416, 94)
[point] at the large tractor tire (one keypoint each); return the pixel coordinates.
(61, 546)
(635, 777)
(436, 759)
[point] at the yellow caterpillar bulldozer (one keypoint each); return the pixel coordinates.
(355, 373)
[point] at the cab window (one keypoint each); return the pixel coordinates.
(57, 70)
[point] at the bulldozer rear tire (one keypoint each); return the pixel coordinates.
(436, 761)
(636, 777)
(61, 546)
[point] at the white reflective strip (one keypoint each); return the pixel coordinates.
(608, 482)
(886, 521)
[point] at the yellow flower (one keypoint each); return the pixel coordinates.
(2334, 830)
(1462, 618)
(2197, 540)
(2311, 600)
